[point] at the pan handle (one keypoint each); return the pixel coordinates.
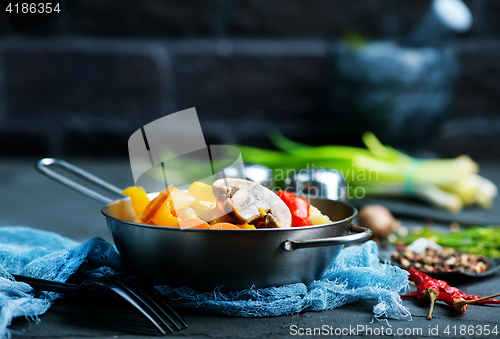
(362, 234)
(43, 167)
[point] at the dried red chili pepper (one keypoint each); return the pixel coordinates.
(451, 300)
(459, 298)
(443, 296)
(427, 289)
(410, 295)
(449, 294)
(457, 294)
(299, 208)
(460, 305)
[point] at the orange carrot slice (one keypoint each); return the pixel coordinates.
(224, 226)
(154, 206)
(179, 214)
(195, 223)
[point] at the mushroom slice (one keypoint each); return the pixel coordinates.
(250, 201)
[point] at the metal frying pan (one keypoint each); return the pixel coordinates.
(204, 259)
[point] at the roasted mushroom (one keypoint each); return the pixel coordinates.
(247, 202)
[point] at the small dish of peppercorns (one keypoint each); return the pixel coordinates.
(440, 260)
(443, 261)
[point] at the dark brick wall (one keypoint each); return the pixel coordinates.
(313, 17)
(478, 88)
(145, 18)
(80, 85)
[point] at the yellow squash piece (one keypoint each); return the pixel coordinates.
(181, 200)
(206, 210)
(202, 192)
(317, 218)
(165, 218)
(246, 227)
(205, 205)
(139, 198)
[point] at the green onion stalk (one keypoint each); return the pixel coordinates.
(381, 170)
(477, 240)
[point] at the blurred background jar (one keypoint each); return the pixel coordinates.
(401, 90)
(401, 94)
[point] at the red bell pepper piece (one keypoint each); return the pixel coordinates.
(299, 208)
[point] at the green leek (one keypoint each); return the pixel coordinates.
(380, 170)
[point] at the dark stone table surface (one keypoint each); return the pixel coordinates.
(29, 199)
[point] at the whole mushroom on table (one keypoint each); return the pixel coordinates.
(379, 219)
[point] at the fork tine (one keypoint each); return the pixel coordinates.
(145, 300)
(136, 302)
(130, 290)
(153, 296)
(183, 324)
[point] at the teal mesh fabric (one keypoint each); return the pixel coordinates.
(358, 274)
(45, 255)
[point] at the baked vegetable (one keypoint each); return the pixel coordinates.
(299, 208)
(228, 204)
(248, 202)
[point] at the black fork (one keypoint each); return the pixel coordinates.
(144, 298)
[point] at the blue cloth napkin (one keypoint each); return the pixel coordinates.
(49, 256)
(358, 274)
